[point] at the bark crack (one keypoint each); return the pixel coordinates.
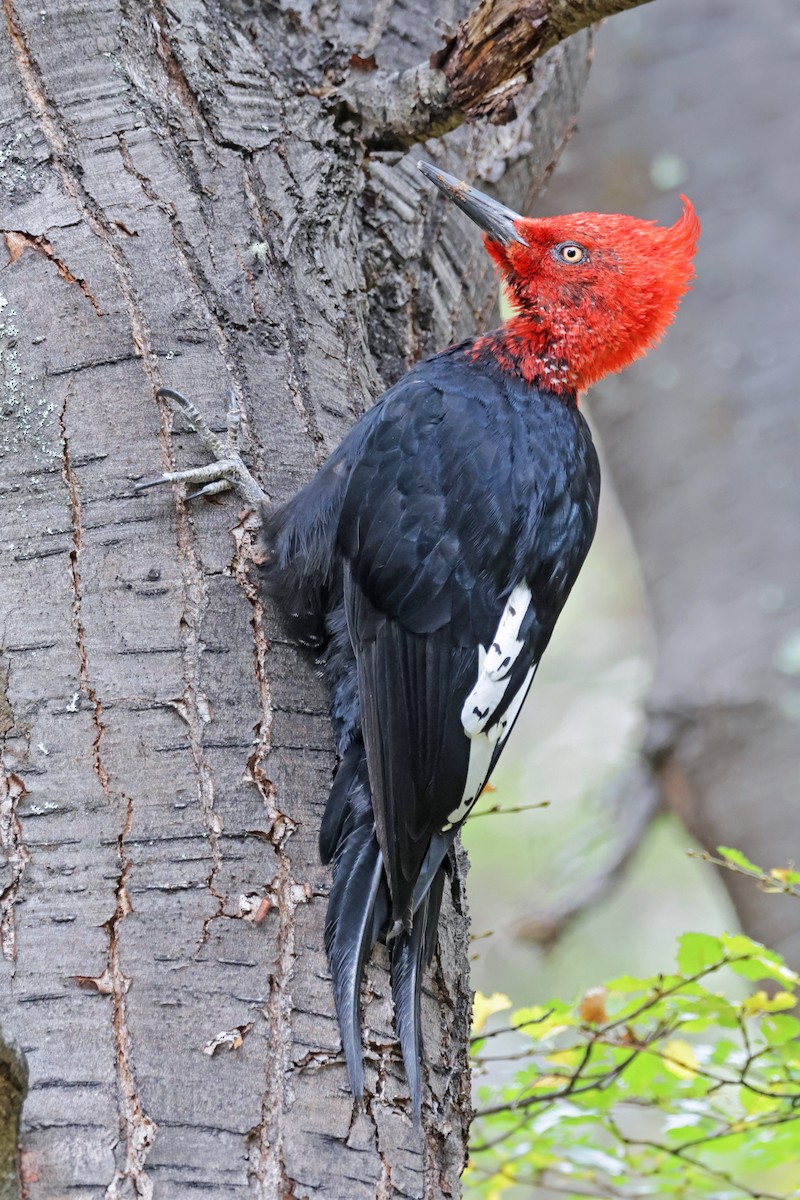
(383, 1184)
(203, 288)
(68, 172)
(139, 1128)
(194, 588)
(71, 481)
(293, 332)
(178, 86)
(246, 552)
(18, 241)
(181, 96)
(267, 1156)
(12, 844)
(181, 109)
(194, 707)
(268, 1171)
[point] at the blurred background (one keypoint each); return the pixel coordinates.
(666, 714)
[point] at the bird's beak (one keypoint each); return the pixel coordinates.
(497, 220)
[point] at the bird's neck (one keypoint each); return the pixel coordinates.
(531, 348)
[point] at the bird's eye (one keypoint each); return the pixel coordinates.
(569, 252)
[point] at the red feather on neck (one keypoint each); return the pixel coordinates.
(574, 323)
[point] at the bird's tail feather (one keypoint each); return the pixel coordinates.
(359, 914)
(434, 908)
(351, 777)
(358, 910)
(411, 953)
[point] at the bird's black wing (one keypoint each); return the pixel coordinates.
(434, 515)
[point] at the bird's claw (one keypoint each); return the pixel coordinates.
(227, 471)
(211, 489)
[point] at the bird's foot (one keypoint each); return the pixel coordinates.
(227, 471)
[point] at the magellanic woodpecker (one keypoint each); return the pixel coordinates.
(429, 559)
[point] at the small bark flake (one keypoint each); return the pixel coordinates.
(232, 1038)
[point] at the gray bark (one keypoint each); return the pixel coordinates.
(179, 208)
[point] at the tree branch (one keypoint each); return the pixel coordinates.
(476, 73)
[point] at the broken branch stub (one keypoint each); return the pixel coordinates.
(476, 73)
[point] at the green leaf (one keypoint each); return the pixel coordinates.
(738, 859)
(754, 1102)
(639, 1078)
(724, 1050)
(756, 961)
(708, 1010)
(696, 951)
(627, 984)
(780, 1028)
(538, 1022)
(686, 1126)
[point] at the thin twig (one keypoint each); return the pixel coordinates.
(768, 881)
(498, 811)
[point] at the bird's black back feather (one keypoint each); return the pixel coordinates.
(399, 557)
(469, 482)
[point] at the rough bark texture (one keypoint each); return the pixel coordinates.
(478, 72)
(703, 439)
(179, 208)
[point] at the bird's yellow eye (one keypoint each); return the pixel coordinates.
(569, 252)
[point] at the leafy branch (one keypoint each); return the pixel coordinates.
(656, 1082)
(783, 880)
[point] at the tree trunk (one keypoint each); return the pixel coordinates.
(181, 208)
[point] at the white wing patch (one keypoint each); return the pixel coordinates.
(500, 731)
(494, 671)
(480, 757)
(496, 663)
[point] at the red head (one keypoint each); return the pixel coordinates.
(592, 292)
